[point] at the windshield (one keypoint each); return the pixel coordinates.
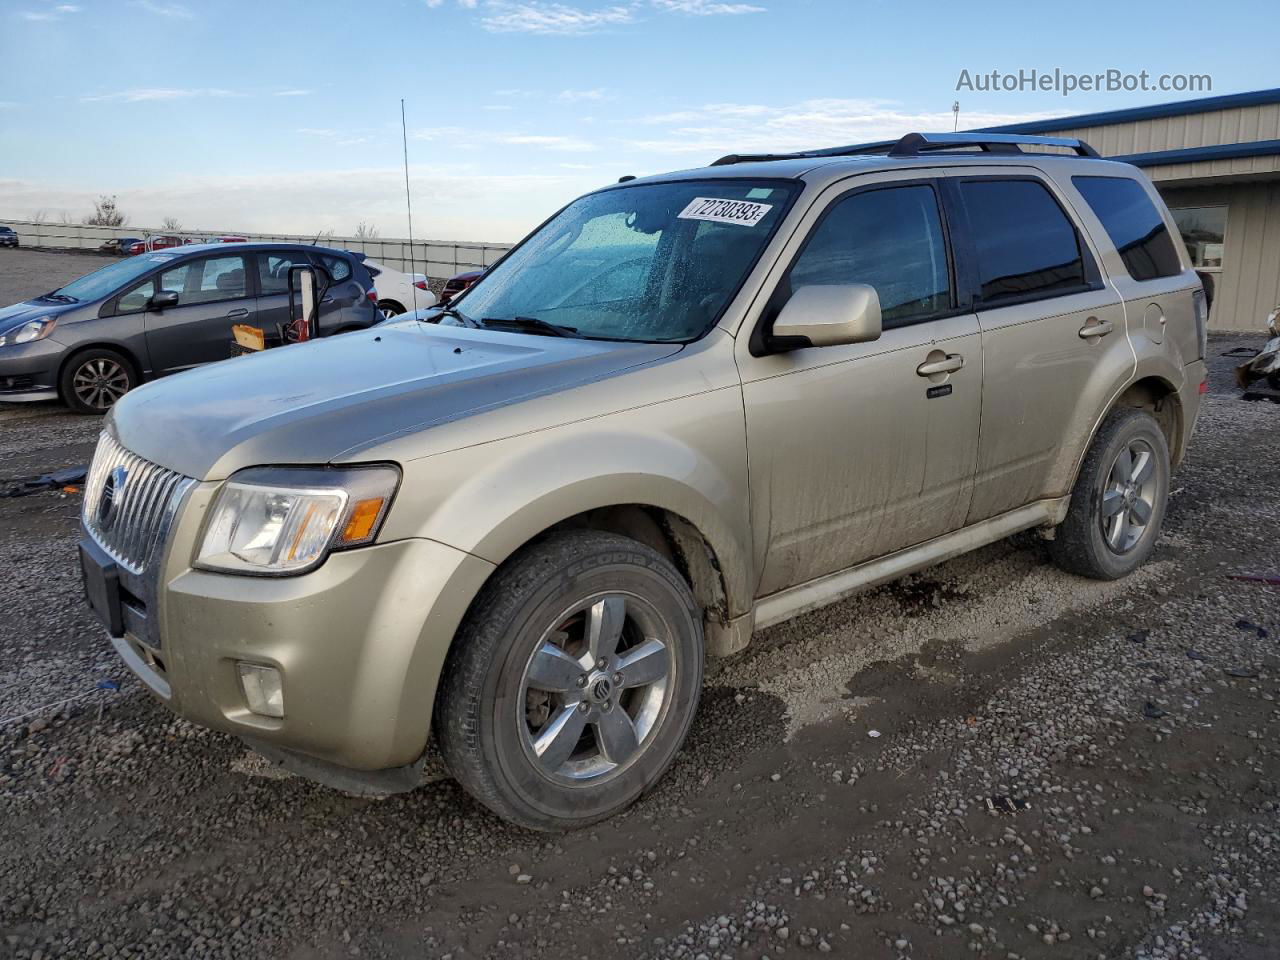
(109, 279)
(655, 262)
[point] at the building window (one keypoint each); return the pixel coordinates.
(1203, 231)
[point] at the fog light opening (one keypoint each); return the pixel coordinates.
(263, 689)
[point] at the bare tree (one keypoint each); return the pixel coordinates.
(367, 231)
(65, 217)
(170, 225)
(106, 213)
(40, 216)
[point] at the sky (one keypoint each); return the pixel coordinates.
(277, 115)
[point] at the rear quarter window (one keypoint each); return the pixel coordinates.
(1134, 225)
(339, 267)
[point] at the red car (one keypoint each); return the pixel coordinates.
(459, 283)
(157, 243)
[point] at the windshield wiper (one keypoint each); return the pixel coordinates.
(532, 325)
(448, 311)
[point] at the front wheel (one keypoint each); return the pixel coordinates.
(94, 380)
(573, 681)
(1119, 499)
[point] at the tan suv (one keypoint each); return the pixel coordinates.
(684, 408)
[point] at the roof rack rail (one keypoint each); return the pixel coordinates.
(913, 144)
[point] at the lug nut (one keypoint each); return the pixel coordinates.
(607, 706)
(584, 707)
(582, 680)
(617, 678)
(602, 663)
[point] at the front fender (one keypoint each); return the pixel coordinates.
(686, 456)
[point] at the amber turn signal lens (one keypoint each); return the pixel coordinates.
(364, 515)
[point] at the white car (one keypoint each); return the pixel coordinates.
(399, 292)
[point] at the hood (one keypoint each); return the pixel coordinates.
(19, 313)
(312, 403)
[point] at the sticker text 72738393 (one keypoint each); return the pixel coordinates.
(744, 213)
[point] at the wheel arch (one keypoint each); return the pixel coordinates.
(1155, 392)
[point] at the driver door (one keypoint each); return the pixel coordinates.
(212, 296)
(854, 452)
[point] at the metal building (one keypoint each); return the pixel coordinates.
(1216, 161)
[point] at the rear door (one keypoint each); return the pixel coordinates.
(854, 452)
(336, 309)
(1053, 333)
(213, 295)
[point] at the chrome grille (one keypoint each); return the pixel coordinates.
(129, 503)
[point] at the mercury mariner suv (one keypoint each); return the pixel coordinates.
(684, 408)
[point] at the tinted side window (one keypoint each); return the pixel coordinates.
(273, 269)
(891, 239)
(207, 280)
(1133, 224)
(1025, 244)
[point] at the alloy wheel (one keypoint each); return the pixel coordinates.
(1129, 496)
(595, 688)
(100, 382)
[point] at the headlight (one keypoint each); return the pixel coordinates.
(275, 521)
(36, 329)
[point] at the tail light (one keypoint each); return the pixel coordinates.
(421, 284)
(1201, 306)
(373, 297)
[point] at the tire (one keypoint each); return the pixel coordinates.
(500, 707)
(92, 381)
(389, 309)
(1107, 540)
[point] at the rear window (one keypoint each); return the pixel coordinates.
(1133, 224)
(1026, 247)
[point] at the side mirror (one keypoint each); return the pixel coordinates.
(827, 315)
(164, 298)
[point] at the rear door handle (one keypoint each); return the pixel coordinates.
(241, 312)
(1096, 328)
(949, 364)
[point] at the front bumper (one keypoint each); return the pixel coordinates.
(360, 643)
(29, 371)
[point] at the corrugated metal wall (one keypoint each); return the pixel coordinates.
(1249, 285)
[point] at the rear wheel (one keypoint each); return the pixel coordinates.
(93, 381)
(1119, 499)
(389, 309)
(573, 681)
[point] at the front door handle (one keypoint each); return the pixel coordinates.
(1096, 328)
(241, 312)
(948, 364)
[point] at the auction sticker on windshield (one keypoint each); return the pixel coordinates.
(744, 213)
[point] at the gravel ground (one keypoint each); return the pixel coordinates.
(831, 798)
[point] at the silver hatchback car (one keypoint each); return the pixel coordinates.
(684, 408)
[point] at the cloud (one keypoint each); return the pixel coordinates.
(576, 96)
(706, 8)
(449, 203)
(721, 128)
(144, 94)
(50, 13)
(292, 93)
(552, 18)
(173, 11)
(462, 138)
